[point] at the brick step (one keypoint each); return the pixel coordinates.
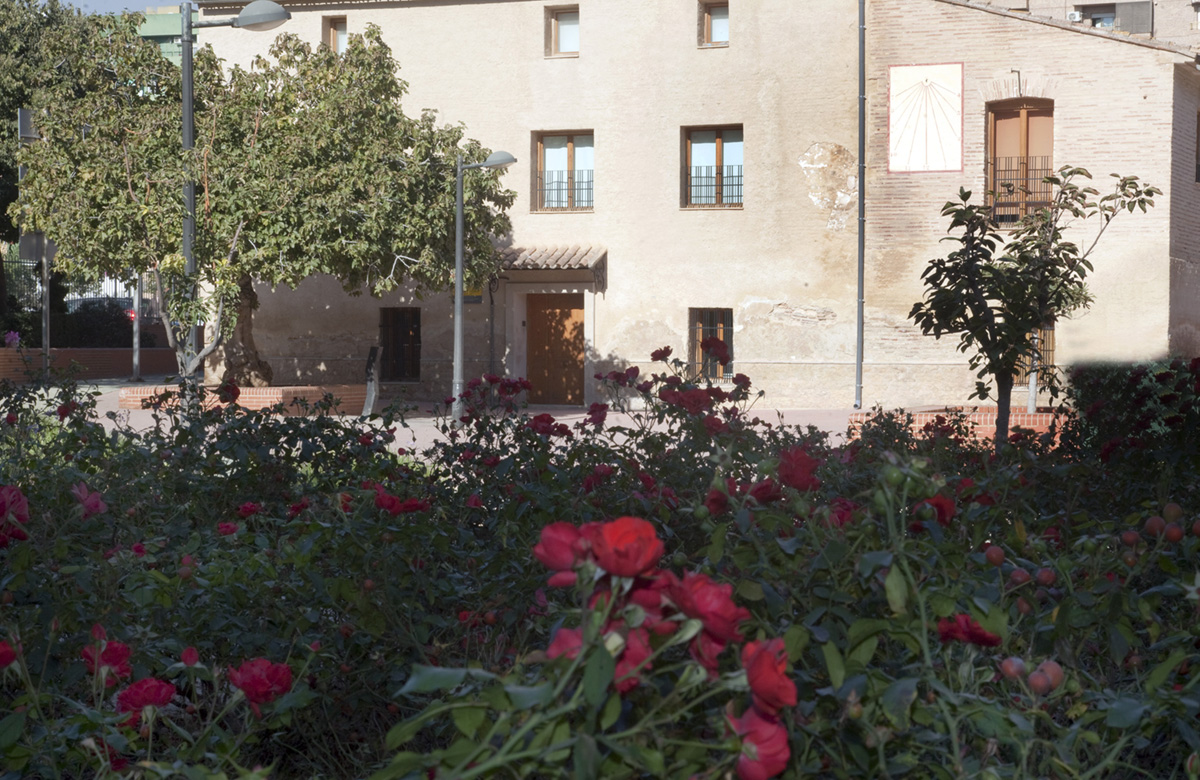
(351, 397)
(981, 419)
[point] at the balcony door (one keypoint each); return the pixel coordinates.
(1020, 155)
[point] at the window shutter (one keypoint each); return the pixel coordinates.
(1135, 17)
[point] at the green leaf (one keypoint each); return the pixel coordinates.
(11, 729)
(612, 711)
(597, 676)
(750, 590)
(716, 544)
(468, 719)
(876, 559)
(401, 765)
(526, 697)
(1160, 673)
(1125, 713)
(426, 679)
(862, 654)
(834, 663)
(795, 639)
(896, 700)
(896, 589)
(586, 757)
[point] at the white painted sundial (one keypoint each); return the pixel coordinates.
(925, 117)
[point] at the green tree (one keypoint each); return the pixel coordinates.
(24, 60)
(305, 164)
(995, 295)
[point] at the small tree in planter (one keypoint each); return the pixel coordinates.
(997, 300)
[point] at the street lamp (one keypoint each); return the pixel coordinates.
(499, 160)
(258, 15)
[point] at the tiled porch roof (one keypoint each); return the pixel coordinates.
(553, 258)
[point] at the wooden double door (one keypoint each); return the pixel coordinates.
(554, 347)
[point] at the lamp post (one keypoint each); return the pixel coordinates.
(258, 15)
(494, 160)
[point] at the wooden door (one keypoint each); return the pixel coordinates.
(554, 366)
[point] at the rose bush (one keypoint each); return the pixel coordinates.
(737, 596)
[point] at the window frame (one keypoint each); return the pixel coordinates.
(392, 367)
(329, 32)
(1017, 201)
(704, 25)
(719, 173)
(700, 365)
(539, 170)
(553, 12)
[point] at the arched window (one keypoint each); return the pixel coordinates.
(1020, 155)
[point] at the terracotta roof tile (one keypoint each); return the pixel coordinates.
(555, 258)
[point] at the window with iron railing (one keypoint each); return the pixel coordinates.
(713, 168)
(566, 173)
(1017, 187)
(707, 324)
(1020, 156)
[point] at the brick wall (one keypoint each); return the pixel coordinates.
(91, 363)
(1119, 106)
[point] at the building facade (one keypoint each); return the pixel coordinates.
(689, 169)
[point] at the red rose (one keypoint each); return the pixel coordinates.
(705, 651)
(227, 529)
(145, 693)
(964, 628)
(14, 513)
(943, 506)
(717, 348)
(652, 603)
(228, 392)
(626, 547)
(560, 548)
(189, 656)
(65, 410)
(261, 681)
(699, 597)
(716, 502)
(841, 512)
(633, 660)
(91, 501)
(567, 641)
(766, 492)
(597, 414)
(765, 750)
(111, 663)
(796, 469)
(8, 655)
(766, 670)
(249, 509)
(660, 354)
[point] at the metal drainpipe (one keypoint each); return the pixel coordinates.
(862, 203)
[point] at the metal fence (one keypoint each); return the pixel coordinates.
(82, 313)
(715, 186)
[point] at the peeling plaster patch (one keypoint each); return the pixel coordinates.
(803, 315)
(829, 169)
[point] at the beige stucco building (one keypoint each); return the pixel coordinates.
(690, 169)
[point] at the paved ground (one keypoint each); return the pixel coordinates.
(423, 425)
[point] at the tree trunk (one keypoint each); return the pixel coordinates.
(243, 366)
(1004, 386)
